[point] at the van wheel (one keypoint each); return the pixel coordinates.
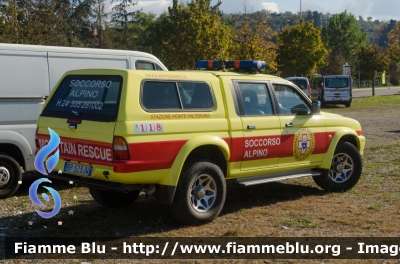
(113, 199)
(200, 194)
(10, 175)
(345, 170)
(347, 104)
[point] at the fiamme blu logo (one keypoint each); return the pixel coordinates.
(51, 162)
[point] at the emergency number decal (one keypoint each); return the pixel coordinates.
(303, 144)
(148, 127)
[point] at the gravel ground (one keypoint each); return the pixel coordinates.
(379, 127)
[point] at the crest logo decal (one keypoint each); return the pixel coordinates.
(303, 144)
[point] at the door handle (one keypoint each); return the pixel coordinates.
(251, 126)
(289, 124)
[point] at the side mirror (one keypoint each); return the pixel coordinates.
(316, 107)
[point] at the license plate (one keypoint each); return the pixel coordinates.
(78, 168)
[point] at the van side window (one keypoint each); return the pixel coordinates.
(145, 65)
(177, 96)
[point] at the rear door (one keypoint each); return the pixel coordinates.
(337, 89)
(261, 127)
(83, 111)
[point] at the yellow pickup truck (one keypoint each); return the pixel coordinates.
(179, 136)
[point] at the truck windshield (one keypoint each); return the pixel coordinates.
(336, 82)
(86, 97)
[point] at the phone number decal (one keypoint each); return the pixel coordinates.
(80, 104)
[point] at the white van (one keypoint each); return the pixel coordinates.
(337, 89)
(27, 75)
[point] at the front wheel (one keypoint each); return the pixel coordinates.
(200, 194)
(345, 170)
(113, 199)
(10, 175)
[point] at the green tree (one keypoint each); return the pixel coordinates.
(384, 31)
(309, 15)
(253, 42)
(393, 50)
(343, 37)
(335, 62)
(372, 61)
(139, 33)
(122, 18)
(300, 49)
(189, 33)
(99, 10)
(63, 23)
(317, 19)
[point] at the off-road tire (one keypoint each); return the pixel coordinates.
(189, 205)
(113, 199)
(345, 170)
(10, 175)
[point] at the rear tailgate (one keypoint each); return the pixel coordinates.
(82, 111)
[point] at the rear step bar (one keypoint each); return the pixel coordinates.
(276, 177)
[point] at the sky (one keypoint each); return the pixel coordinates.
(377, 9)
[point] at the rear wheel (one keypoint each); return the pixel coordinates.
(345, 170)
(113, 199)
(10, 175)
(347, 104)
(200, 194)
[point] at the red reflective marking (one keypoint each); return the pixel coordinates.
(74, 121)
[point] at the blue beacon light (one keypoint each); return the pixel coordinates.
(232, 64)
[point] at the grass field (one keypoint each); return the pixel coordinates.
(293, 208)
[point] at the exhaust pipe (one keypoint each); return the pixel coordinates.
(150, 191)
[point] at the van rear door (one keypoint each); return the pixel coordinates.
(337, 89)
(83, 112)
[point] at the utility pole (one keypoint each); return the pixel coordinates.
(301, 15)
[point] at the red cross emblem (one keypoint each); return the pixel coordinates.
(304, 144)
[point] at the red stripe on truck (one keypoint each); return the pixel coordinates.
(148, 156)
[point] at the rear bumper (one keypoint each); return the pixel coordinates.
(163, 193)
(336, 99)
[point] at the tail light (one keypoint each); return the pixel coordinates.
(37, 138)
(309, 90)
(120, 149)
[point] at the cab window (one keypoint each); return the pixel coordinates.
(145, 65)
(255, 99)
(290, 100)
(189, 96)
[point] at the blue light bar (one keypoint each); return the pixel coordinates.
(246, 64)
(233, 64)
(209, 64)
